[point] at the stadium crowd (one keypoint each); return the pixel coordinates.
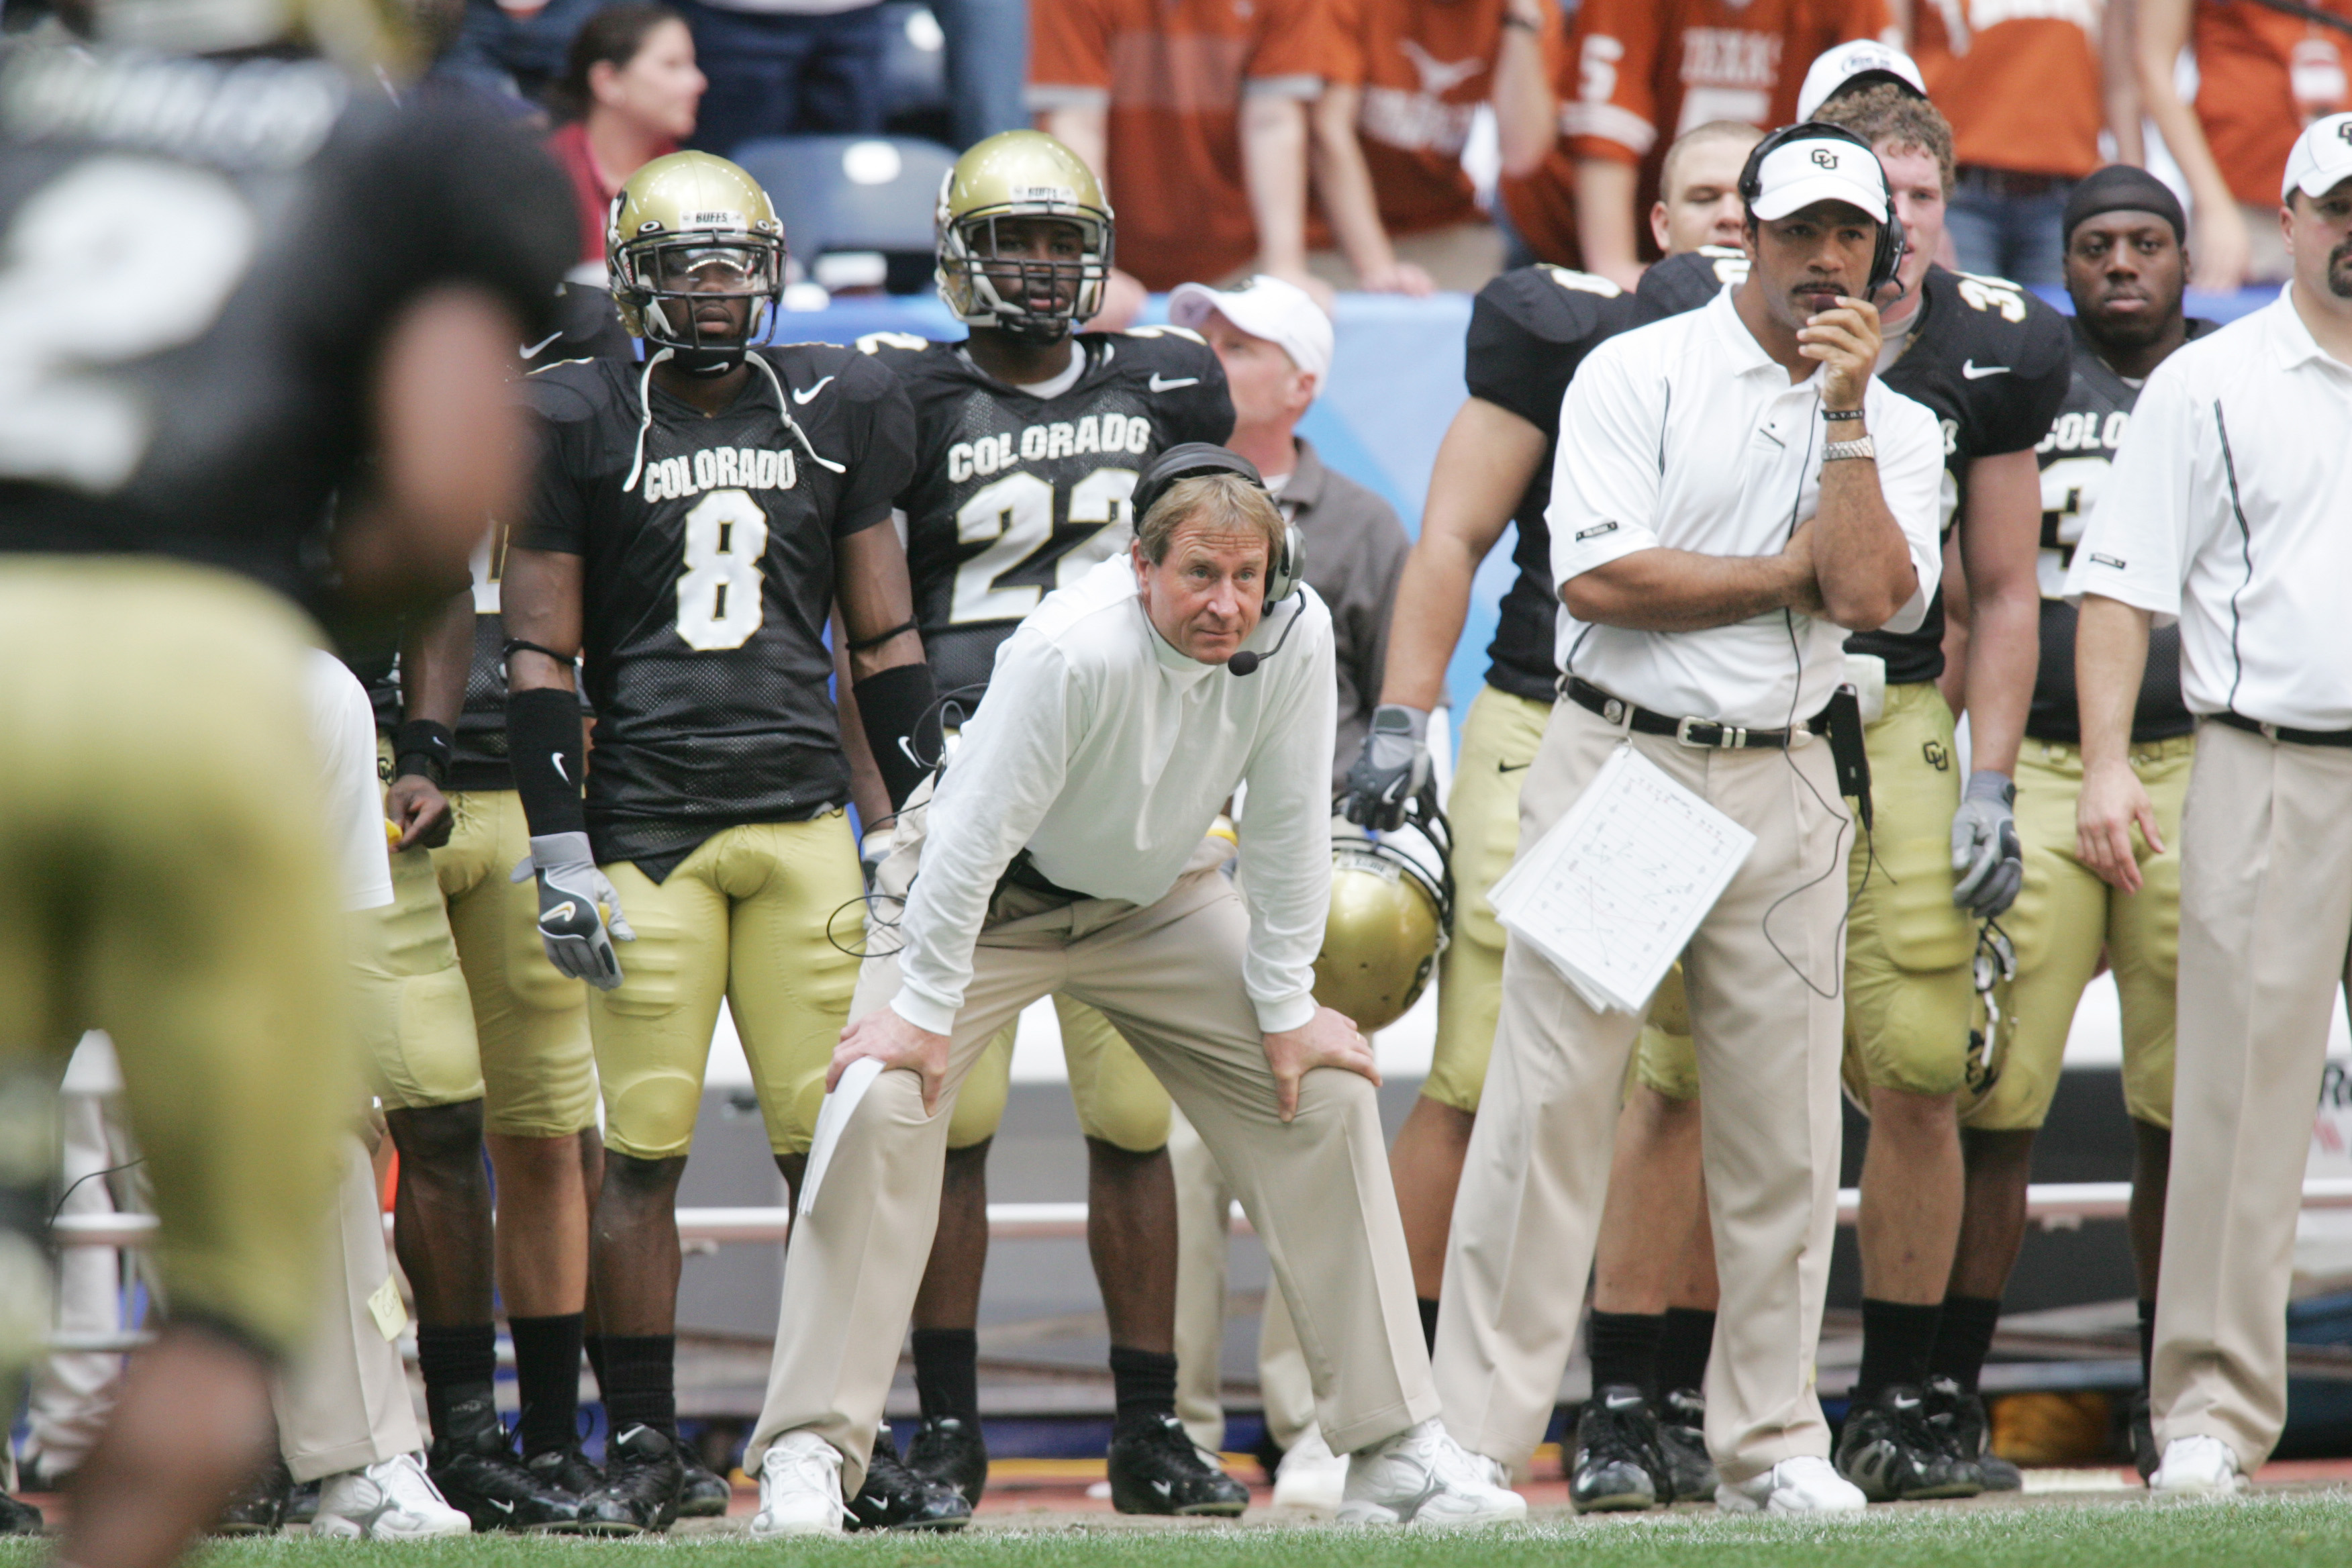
(1816, 510)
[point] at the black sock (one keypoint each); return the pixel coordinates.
(547, 1376)
(1625, 1350)
(460, 1363)
(1897, 1338)
(1684, 1344)
(1428, 1306)
(947, 1374)
(1964, 1338)
(1144, 1383)
(2146, 1342)
(640, 1382)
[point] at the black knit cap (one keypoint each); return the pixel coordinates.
(2119, 187)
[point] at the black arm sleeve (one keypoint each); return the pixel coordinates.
(544, 748)
(897, 705)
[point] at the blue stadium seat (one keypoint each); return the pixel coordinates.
(853, 194)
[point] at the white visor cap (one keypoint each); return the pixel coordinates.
(1796, 175)
(1832, 70)
(2320, 160)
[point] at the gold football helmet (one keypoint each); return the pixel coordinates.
(684, 229)
(1392, 915)
(1022, 174)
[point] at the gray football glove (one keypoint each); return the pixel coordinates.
(1389, 771)
(1987, 859)
(578, 937)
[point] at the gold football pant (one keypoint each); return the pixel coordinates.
(2064, 918)
(1499, 736)
(751, 915)
(165, 876)
(1118, 1098)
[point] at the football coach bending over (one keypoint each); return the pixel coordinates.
(1733, 492)
(1064, 851)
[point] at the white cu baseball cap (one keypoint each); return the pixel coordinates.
(1263, 307)
(1810, 169)
(1861, 63)
(2320, 160)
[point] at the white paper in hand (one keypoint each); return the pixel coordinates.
(831, 1118)
(1611, 895)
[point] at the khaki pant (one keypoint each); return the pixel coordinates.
(2266, 925)
(1204, 1206)
(343, 1402)
(1766, 1028)
(1169, 976)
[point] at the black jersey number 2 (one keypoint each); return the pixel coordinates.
(1014, 519)
(114, 260)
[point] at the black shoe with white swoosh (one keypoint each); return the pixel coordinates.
(1155, 1469)
(1618, 1466)
(896, 1497)
(642, 1480)
(480, 1475)
(1891, 1450)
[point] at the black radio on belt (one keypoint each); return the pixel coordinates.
(1846, 749)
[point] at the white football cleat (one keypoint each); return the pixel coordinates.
(1311, 1478)
(392, 1500)
(799, 1488)
(2197, 1466)
(1806, 1484)
(1422, 1476)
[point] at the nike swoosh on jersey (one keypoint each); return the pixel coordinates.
(801, 397)
(1161, 384)
(1512, 767)
(557, 758)
(532, 352)
(1976, 372)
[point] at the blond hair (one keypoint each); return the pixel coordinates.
(1898, 118)
(1218, 504)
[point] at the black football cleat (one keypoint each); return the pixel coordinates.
(259, 1506)
(948, 1449)
(1618, 1468)
(704, 1494)
(1155, 1469)
(1689, 1471)
(642, 1477)
(1892, 1451)
(478, 1474)
(18, 1517)
(1960, 1420)
(565, 1469)
(895, 1497)
(302, 1502)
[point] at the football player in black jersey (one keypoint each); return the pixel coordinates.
(1029, 437)
(1991, 362)
(695, 523)
(224, 313)
(1529, 329)
(2125, 267)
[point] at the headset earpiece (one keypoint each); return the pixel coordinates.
(1288, 566)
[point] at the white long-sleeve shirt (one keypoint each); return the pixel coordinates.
(1106, 754)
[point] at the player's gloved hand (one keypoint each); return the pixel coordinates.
(1987, 859)
(578, 936)
(1390, 770)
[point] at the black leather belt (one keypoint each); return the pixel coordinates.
(1708, 734)
(1023, 873)
(2280, 732)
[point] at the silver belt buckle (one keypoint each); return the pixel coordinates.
(1726, 739)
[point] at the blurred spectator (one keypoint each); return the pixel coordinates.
(2261, 76)
(628, 94)
(1647, 70)
(2026, 89)
(1391, 125)
(988, 65)
(1195, 113)
(787, 68)
(1536, 211)
(1698, 187)
(514, 51)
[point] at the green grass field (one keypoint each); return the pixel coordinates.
(2271, 1531)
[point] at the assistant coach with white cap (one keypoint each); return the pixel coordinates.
(2230, 507)
(1733, 492)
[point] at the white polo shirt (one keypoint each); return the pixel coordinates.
(1685, 434)
(2228, 507)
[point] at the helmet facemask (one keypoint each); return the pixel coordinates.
(988, 287)
(673, 278)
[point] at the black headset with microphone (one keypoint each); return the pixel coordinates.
(1887, 257)
(1285, 574)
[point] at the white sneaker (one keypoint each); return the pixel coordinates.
(1806, 1484)
(1311, 1478)
(2197, 1466)
(799, 1488)
(1421, 1476)
(392, 1500)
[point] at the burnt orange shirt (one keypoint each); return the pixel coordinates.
(2019, 80)
(2261, 76)
(1424, 66)
(1173, 76)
